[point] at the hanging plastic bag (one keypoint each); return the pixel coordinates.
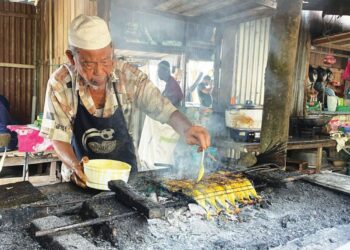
(157, 144)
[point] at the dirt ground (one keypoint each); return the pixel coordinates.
(300, 216)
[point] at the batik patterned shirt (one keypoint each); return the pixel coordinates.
(135, 91)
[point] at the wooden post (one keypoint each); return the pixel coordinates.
(279, 74)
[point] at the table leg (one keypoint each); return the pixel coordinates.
(319, 159)
(53, 166)
(25, 167)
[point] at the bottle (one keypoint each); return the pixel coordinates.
(348, 93)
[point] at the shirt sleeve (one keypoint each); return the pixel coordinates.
(201, 86)
(4, 119)
(147, 97)
(173, 92)
(58, 108)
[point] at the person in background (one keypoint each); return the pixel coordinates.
(172, 89)
(204, 92)
(6, 119)
(90, 103)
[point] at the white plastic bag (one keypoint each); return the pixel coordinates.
(157, 144)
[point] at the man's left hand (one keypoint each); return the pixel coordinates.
(197, 135)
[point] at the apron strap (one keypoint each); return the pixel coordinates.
(116, 94)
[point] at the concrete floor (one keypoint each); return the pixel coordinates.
(301, 216)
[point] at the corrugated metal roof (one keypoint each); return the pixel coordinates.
(216, 12)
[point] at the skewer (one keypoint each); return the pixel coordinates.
(82, 224)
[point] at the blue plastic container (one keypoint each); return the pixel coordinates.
(346, 129)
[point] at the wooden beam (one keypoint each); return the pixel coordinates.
(187, 7)
(279, 75)
(150, 48)
(14, 14)
(130, 198)
(17, 65)
(197, 8)
(202, 9)
(169, 4)
(311, 144)
(229, 10)
(241, 16)
(91, 222)
(334, 181)
(272, 4)
(247, 18)
(240, 12)
(217, 68)
(326, 53)
(337, 47)
(139, 5)
(331, 39)
(226, 65)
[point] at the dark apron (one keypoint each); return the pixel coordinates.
(103, 138)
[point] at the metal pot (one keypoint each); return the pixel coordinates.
(247, 116)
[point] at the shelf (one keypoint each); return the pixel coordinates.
(327, 113)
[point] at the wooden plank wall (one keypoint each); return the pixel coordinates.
(17, 57)
(64, 12)
(56, 16)
(317, 56)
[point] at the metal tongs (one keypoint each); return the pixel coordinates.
(201, 168)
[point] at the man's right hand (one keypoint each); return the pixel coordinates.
(78, 176)
(66, 154)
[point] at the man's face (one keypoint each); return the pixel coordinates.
(94, 66)
(163, 72)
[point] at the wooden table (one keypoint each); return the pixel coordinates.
(292, 144)
(15, 158)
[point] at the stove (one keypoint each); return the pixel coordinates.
(245, 135)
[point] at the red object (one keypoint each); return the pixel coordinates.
(29, 139)
(346, 73)
(329, 59)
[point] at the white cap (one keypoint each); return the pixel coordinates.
(88, 32)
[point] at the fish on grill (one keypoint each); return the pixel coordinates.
(218, 192)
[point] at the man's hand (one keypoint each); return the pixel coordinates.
(194, 135)
(78, 176)
(66, 154)
(197, 135)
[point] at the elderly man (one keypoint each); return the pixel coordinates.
(90, 102)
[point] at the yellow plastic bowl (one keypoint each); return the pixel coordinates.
(100, 172)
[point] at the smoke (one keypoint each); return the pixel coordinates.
(187, 158)
(145, 31)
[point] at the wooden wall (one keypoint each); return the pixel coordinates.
(55, 17)
(17, 57)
